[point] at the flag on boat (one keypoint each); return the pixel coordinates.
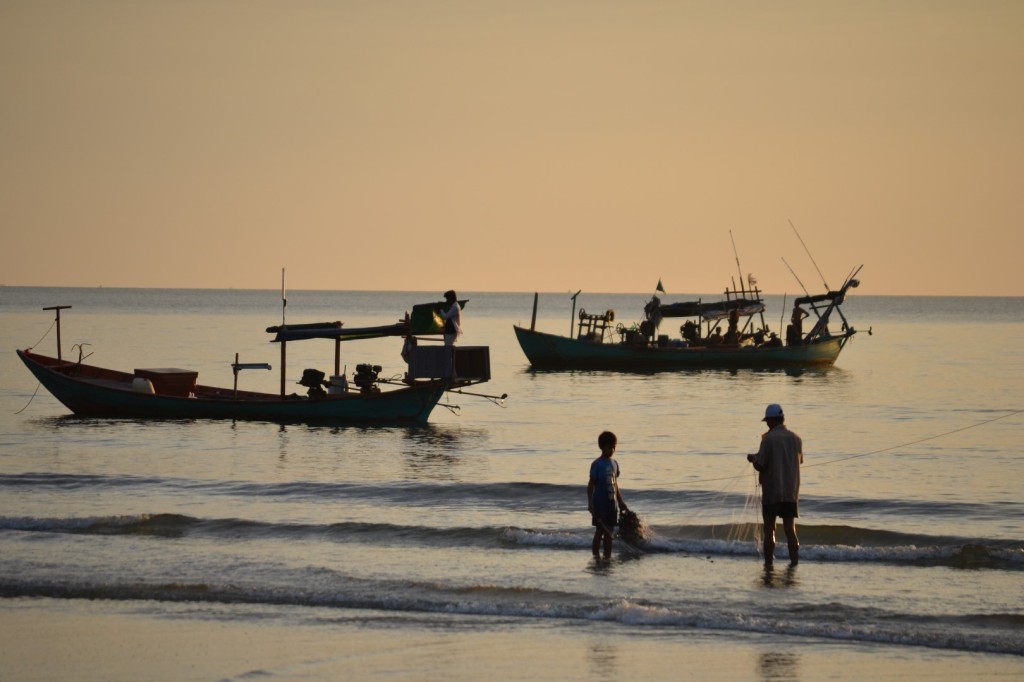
(660, 287)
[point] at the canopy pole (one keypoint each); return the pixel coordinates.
(284, 359)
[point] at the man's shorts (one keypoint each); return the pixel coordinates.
(786, 510)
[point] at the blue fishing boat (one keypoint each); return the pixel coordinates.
(730, 333)
(365, 397)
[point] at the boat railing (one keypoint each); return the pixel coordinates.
(593, 327)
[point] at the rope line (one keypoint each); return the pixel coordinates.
(41, 338)
(30, 399)
(45, 334)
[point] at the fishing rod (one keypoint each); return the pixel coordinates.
(498, 400)
(853, 273)
(827, 288)
(739, 270)
(806, 293)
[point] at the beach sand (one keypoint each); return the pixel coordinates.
(43, 639)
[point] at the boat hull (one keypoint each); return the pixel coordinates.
(550, 351)
(97, 392)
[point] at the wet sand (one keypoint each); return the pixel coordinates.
(42, 639)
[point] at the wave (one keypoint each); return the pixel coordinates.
(984, 632)
(522, 496)
(818, 543)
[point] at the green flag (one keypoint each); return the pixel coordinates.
(660, 287)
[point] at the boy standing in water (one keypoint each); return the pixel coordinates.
(603, 496)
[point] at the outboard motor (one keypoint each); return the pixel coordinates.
(366, 377)
(313, 379)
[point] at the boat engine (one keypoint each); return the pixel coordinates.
(366, 377)
(313, 379)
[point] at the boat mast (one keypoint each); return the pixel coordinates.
(284, 344)
(572, 318)
(59, 308)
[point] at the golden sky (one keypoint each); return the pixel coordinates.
(512, 146)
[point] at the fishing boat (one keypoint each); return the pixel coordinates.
(746, 342)
(366, 397)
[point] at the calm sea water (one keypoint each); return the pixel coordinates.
(912, 522)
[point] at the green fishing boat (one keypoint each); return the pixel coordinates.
(730, 333)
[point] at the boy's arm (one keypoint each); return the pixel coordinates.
(590, 495)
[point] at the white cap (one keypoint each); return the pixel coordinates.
(773, 411)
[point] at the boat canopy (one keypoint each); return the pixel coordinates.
(820, 298)
(333, 330)
(717, 310)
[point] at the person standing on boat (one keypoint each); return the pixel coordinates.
(795, 331)
(778, 461)
(732, 337)
(451, 313)
(603, 496)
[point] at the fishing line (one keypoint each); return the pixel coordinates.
(738, 531)
(921, 440)
(863, 454)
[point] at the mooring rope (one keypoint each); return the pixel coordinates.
(45, 334)
(41, 338)
(30, 399)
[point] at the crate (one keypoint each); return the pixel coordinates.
(170, 380)
(471, 362)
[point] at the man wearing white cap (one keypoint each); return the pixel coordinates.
(778, 460)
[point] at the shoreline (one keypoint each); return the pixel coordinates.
(45, 639)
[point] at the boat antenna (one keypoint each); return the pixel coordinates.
(827, 288)
(806, 293)
(782, 315)
(738, 268)
(284, 299)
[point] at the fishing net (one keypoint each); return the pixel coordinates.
(632, 528)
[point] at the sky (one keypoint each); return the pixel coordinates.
(479, 145)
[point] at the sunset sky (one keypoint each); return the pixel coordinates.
(512, 146)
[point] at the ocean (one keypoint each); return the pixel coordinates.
(463, 545)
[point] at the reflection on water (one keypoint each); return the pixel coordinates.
(600, 566)
(773, 578)
(832, 372)
(431, 451)
(778, 665)
(603, 661)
